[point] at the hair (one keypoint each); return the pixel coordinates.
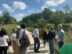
(14, 30)
(23, 25)
(52, 27)
(36, 26)
(3, 32)
(60, 25)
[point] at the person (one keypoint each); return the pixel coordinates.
(14, 44)
(61, 36)
(36, 39)
(4, 39)
(22, 32)
(44, 34)
(51, 37)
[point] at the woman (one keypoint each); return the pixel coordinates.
(14, 44)
(45, 36)
(4, 39)
(21, 34)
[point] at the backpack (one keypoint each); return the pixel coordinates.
(24, 41)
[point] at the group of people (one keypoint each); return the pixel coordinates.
(51, 37)
(21, 41)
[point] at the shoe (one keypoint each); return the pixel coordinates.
(38, 51)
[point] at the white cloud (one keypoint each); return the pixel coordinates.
(19, 5)
(53, 10)
(16, 5)
(19, 16)
(44, 6)
(7, 7)
(1, 12)
(53, 3)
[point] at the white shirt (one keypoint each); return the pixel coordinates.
(36, 33)
(21, 34)
(13, 37)
(3, 41)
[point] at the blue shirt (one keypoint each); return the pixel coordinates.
(61, 35)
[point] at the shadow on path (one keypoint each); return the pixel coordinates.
(9, 53)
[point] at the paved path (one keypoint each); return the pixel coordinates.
(43, 50)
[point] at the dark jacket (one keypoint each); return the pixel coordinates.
(51, 35)
(44, 35)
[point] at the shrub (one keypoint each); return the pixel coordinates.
(48, 25)
(66, 27)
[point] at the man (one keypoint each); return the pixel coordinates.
(61, 35)
(22, 32)
(36, 39)
(51, 37)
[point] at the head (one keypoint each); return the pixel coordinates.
(51, 27)
(36, 26)
(59, 27)
(3, 32)
(45, 29)
(23, 25)
(14, 30)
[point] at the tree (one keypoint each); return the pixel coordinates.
(67, 8)
(8, 19)
(2, 19)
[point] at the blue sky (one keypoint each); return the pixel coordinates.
(22, 8)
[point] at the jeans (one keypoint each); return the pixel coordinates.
(3, 50)
(36, 44)
(45, 42)
(60, 44)
(22, 50)
(51, 46)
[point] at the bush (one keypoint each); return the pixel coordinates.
(66, 27)
(48, 25)
(9, 28)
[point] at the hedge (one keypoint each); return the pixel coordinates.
(66, 27)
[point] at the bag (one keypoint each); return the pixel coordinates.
(9, 43)
(24, 41)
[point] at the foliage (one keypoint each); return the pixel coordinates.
(48, 17)
(66, 27)
(9, 28)
(7, 19)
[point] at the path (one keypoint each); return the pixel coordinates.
(31, 50)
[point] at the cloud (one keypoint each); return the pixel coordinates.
(19, 5)
(19, 16)
(53, 3)
(44, 6)
(1, 12)
(16, 5)
(53, 10)
(7, 7)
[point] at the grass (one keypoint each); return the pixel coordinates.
(9, 28)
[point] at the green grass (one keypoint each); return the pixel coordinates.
(9, 28)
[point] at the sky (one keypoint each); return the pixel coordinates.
(21, 8)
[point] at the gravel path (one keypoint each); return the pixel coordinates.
(43, 50)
